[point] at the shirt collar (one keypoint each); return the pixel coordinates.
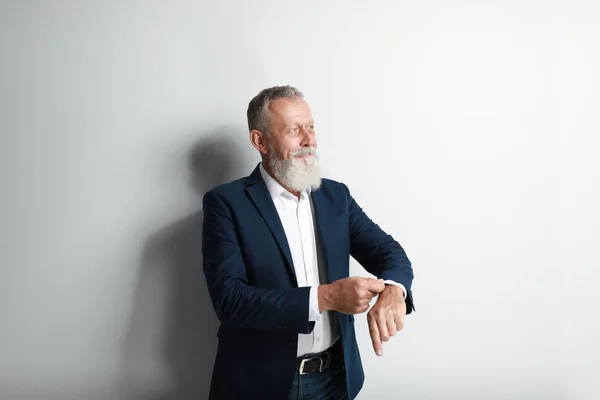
(274, 187)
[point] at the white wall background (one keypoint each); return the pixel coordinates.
(468, 130)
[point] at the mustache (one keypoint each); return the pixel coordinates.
(305, 151)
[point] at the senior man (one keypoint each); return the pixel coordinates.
(276, 249)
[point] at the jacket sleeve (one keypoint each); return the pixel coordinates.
(234, 300)
(377, 251)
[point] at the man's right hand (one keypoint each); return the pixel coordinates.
(349, 295)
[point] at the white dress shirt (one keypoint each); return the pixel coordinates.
(298, 223)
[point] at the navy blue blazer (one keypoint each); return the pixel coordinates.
(254, 291)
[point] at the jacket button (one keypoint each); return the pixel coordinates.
(291, 344)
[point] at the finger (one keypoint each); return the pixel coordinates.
(364, 300)
(399, 321)
(391, 325)
(374, 332)
(362, 309)
(374, 286)
(382, 325)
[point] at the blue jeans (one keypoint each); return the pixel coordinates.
(329, 384)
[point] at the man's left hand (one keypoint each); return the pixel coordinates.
(386, 317)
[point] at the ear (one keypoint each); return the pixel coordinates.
(259, 141)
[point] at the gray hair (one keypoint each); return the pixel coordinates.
(258, 113)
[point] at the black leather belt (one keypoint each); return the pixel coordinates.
(320, 361)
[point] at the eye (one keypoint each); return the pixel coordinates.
(294, 130)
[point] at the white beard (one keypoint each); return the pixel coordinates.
(297, 174)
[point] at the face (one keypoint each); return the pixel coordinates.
(290, 149)
(292, 128)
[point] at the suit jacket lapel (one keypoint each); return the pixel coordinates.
(258, 192)
(324, 218)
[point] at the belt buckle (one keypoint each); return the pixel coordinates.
(301, 369)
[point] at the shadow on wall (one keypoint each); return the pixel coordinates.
(171, 341)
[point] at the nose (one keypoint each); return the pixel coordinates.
(308, 138)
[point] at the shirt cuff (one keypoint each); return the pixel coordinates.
(313, 306)
(391, 282)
